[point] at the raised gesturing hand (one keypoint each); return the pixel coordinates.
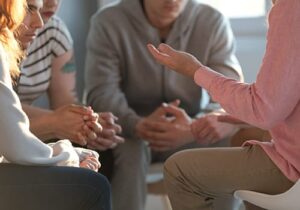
(182, 62)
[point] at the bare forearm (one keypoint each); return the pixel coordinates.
(40, 121)
(33, 112)
(42, 127)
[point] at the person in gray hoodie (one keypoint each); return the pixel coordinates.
(122, 77)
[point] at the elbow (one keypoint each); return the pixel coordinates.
(269, 119)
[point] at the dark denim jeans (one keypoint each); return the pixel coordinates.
(52, 188)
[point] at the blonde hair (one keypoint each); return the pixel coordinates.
(11, 16)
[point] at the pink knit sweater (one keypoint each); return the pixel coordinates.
(272, 102)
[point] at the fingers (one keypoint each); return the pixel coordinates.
(166, 49)
(174, 110)
(80, 139)
(175, 102)
(107, 118)
(79, 109)
(94, 126)
(203, 131)
(91, 163)
(102, 144)
(91, 117)
(111, 135)
(158, 126)
(90, 134)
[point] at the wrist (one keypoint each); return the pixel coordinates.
(52, 125)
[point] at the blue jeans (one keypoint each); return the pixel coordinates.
(52, 188)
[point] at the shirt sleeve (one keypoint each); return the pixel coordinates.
(59, 36)
(17, 143)
(274, 95)
(103, 78)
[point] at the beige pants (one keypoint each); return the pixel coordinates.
(195, 178)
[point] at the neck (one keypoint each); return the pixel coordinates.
(163, 26)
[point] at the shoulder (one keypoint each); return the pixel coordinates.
(55, 28)
(112, 14)
(204, 12)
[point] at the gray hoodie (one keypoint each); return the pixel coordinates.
(122, 77)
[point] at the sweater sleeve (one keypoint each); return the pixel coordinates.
(103, 77)
(274, 95)
(17, 143)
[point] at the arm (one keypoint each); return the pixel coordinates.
(17, 143)
(103, 78)
(273, 97)
(62, 92)
(39, 121)
(66, 122)
(63, 81)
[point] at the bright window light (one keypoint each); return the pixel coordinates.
(239, 8)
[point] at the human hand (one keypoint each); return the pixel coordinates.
(91, 163)
(182, 62)
(208, 129)
(158, 115)
(170, 133)
(108, 138)
(88, 158)
(91, 127)
(67, 122)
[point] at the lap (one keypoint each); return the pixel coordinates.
(224, 170)
(29, 187)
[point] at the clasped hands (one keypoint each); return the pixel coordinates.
(83, 126)
(166, 128)
(170, 127)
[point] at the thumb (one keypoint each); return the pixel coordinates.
(175, 102)
(174, 110)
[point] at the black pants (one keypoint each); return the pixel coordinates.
(52, 188)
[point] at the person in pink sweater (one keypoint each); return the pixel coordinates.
(194, 178)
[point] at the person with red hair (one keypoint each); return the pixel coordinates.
(29, 174)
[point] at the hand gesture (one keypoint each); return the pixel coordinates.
(182, 62)
(208, 129)
(172, 132)
(108, 138)
(68, 122)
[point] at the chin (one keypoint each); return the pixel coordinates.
(45, 19)
(24, 46)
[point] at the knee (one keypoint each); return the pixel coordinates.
(172, 167)
(101, 183)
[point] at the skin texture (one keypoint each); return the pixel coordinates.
(27, 31)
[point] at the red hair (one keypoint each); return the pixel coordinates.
(11, 16)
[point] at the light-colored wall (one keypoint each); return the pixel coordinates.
(76, 14)
(250, 39)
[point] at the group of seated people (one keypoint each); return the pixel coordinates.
(143, 104)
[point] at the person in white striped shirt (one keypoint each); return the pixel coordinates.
(50, 68)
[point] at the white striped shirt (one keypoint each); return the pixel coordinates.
(52, 41)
